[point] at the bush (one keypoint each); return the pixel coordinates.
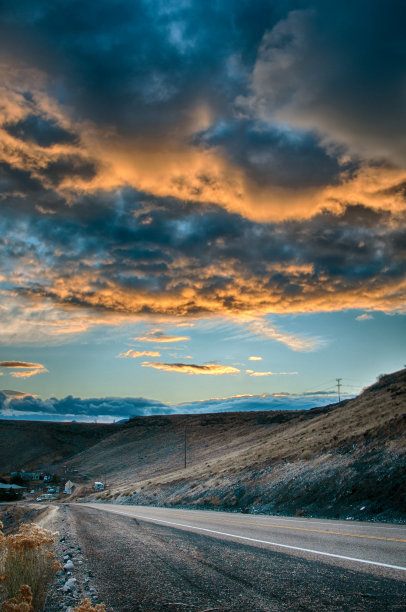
(22, 603)
(26, 560)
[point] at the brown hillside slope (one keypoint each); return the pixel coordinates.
(27, 445)
(346, 460)
(147, 447)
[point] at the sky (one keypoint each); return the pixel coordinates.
(202, 204)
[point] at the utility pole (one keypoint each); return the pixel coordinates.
(339, 385)
(185, 448)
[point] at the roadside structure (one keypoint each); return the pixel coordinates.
(69, 485)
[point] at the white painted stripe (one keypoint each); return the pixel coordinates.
(240, 537)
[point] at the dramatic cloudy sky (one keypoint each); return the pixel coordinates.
(199, 200)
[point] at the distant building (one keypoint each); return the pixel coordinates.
(98, 486)
(27, 475)
(69, 487)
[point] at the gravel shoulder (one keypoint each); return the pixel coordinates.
(76, 582)
(138, 566)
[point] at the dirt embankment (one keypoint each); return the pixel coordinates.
(348, 460)
(13, 515)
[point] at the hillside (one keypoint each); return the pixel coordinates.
(28, 445)
(348, 459)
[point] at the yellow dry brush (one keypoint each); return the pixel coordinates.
(27, 567)
(21, 603)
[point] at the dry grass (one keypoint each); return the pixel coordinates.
(21, 603)
(26, 559)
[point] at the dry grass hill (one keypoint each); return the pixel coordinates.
(30, 445)
(347, 459)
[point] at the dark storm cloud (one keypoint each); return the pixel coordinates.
(131, 60)
(338, 68)
(140, 65)
(71, 167)
(127, 252)
(43, 132)
(20, 364)
(18, 181)
(277, 155)
(284, 89)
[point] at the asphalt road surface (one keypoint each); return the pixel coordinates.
(158, 559)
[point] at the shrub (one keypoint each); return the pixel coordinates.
(26, 560)
(22, 603)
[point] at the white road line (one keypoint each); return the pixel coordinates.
(239, 537)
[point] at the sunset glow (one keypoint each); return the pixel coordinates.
(187, 188)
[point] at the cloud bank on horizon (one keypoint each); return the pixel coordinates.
(17, 405)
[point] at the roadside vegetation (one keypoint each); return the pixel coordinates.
(27, 567)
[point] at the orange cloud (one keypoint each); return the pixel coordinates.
(158, 336)
(27, 373)
(172, 166)
(134, 354)
(23, 369)
(253, 358)
(210, 369)
(252, 373)
(294, 342)
(364, 317)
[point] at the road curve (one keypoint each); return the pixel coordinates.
(374, 547)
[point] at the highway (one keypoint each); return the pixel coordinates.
(355, 543)
(158, 559)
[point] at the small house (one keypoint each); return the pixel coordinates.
(69, 487)
(98, 486)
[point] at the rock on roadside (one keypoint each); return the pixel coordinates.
(75, 581)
